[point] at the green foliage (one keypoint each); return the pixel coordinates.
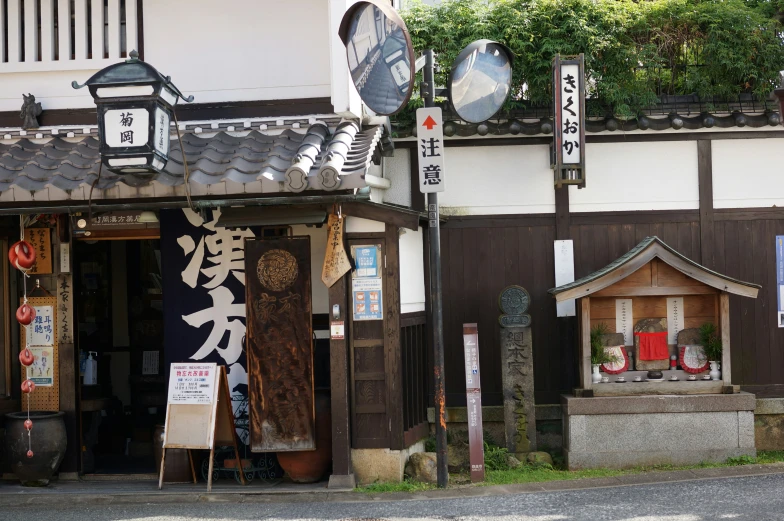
(430, 444)
(710, 342)
(741, 460)
(495, 457)
(598, 354)
(634, 51)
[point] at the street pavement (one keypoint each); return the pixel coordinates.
(758, 498)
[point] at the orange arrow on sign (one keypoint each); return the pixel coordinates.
(429, 123)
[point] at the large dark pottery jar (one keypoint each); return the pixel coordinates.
(309, 466)
(48, 443)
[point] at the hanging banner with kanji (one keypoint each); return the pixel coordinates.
(41, 239)
(280, 344)
(569, 124)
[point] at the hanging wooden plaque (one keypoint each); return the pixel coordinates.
(280, 345)
(41, 338)
(41, 239)
(336, 262)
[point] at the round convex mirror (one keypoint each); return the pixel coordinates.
(380, 56)
(480, 80)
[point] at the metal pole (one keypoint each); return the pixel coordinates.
(435, 299)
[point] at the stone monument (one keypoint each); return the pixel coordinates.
(517, 371)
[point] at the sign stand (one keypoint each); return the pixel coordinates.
(197, 391)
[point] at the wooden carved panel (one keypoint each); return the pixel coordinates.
(280, 346)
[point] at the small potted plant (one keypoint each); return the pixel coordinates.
(712, 347)
(599, 354)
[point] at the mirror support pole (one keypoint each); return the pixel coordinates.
(437, 318)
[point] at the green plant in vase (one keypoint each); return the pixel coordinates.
(599, 354)
(711, 344)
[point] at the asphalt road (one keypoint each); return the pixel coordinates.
(757, 498)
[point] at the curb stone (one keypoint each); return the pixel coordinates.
(93, 498)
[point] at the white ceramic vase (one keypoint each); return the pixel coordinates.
(596, 377)
(715, 374)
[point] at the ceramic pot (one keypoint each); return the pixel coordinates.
(596, 376)
(309, 466)
(49, 441)
(715, 374)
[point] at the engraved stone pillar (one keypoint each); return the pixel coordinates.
(517, 371)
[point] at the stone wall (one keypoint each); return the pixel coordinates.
(628, 431)
(769, 424)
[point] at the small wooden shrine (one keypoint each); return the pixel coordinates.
(650, 296)
(646, 309)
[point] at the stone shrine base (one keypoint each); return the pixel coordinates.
(630, 431)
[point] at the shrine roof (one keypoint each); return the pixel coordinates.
(319, 158)
(636, 258)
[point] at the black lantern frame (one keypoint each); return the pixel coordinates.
(140, 102)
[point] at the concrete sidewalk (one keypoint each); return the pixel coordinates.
(146, 492)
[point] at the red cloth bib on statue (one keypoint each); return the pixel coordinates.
(653, 346)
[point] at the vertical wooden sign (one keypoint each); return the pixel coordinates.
(474, 402)
(280, 344)
(336, 262)
(42, 339)
(41, 240)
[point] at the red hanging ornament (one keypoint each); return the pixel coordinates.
(28, 424)
(29, 454)
(22, 255)
(26, 357)
(25, 314)
(28, 386)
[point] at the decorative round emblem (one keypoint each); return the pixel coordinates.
(277, 270)
(514, 300)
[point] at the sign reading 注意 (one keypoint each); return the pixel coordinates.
(192, 384)
(430, 150)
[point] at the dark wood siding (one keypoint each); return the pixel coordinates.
(482, 255)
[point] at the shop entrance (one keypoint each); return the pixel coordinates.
(119, 313)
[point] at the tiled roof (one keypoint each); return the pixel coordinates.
(318, 158)
(634, 252)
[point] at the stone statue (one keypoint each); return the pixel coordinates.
(30, 112)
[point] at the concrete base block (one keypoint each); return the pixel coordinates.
(342, 482)
(622, 460)
(675, 430)
(382, 465)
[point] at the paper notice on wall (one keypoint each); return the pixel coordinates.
(192, 383)
(780, 279)
(624, 320)
(41, 331)
(564, 274)
(674, 319)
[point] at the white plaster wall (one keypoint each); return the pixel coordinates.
(398, 170)
(237, 50)
(318, 248)
(638, 176)
(748, 173)
(359, 225)
(233, 50)
(412, 271)
(497, 180)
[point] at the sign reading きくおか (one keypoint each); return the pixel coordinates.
(192, 384)
(430, 137)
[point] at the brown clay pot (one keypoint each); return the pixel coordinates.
(309, 466)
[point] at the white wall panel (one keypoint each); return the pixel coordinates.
(638, 176)
(237, 50)
(318, 248)
(748, 173)
(412, 272)
(497, 180)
